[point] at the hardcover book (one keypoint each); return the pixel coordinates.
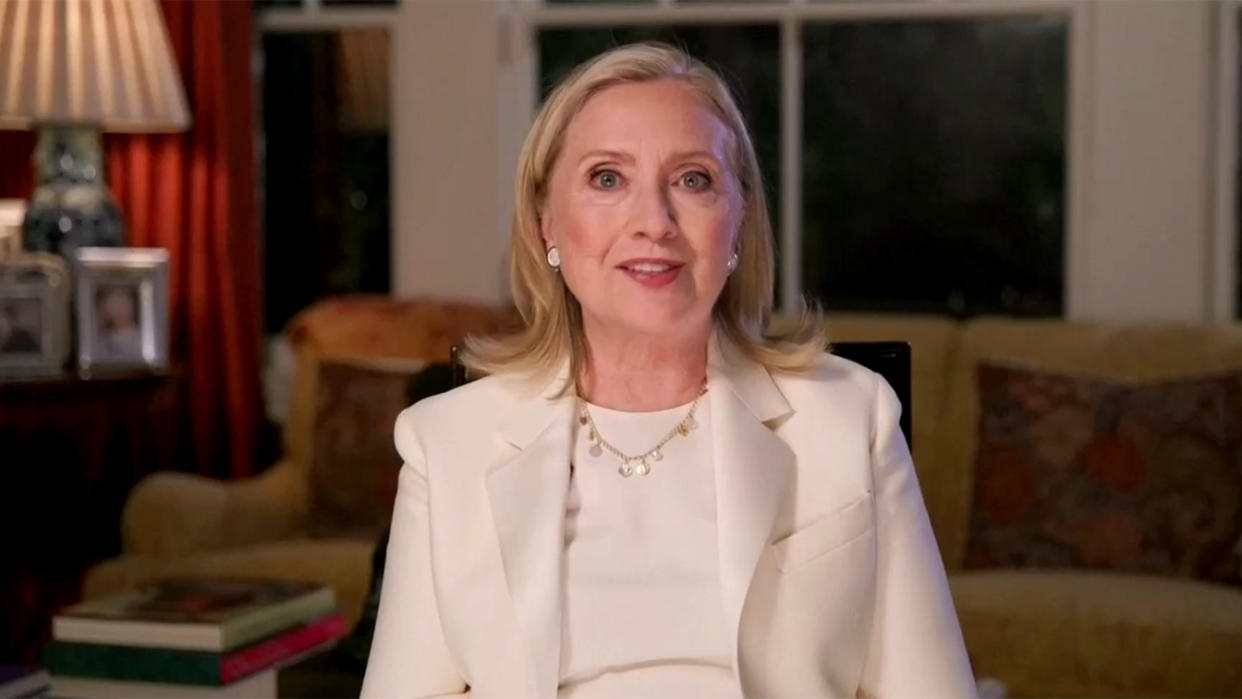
(216, 614)
(64, 658)
(260, 686)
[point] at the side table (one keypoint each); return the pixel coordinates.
(70, 450)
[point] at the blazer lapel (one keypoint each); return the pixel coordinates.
(752, 468)
(527, 494)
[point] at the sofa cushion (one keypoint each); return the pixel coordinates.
(1074, 471)
(366, 328)
(1153, 352)
(1063, 633)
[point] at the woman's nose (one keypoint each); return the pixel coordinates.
(653, 215)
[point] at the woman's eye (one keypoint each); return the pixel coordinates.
(606, 179)
(696, 181)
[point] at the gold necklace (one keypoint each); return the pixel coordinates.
(639, 463)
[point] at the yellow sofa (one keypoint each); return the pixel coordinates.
(1062, 632)
(1041, 632)
(184, 524)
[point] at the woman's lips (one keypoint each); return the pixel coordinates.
(652, 274)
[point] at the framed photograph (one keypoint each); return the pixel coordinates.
(12, 212)
(34, 315)
(122, 309)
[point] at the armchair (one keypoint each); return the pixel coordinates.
(317, 513)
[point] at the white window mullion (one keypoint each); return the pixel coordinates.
(520, 94)
(332, 19)
(663, 12)
(1076, 267)
(1223, 257)
(791, 163)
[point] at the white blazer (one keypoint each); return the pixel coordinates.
(830, 579)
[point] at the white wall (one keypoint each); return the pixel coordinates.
(445, 139)
(1144, 217)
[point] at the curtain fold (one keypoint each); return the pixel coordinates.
(194, 194)
(16, 170)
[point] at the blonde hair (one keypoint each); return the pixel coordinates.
(551, 329)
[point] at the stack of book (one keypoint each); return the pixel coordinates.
(190, 637)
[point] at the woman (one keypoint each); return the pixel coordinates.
(648, 496)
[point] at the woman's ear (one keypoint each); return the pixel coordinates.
(735, 245)
(545, 228)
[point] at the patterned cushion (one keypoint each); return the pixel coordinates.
(1079, 472)
(369, 328)
(353, 464)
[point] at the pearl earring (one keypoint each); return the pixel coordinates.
(732, 264)
(554, 258)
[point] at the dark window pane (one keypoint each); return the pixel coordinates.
(325, 168)
(748, 57)
(934, 165)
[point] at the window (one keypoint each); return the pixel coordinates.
(324, 163)
(934, 165)
(915, 155)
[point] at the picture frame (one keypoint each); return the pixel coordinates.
(122, 309)
(35, 293)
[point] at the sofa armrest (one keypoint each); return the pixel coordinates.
(1101, 634)
(170, 514)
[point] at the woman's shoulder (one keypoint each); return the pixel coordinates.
(830, 378)
(839, 386)
(471, 403)
(451, 421)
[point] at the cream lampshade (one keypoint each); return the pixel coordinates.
(69, 69)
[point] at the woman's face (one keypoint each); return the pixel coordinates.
(643, 209)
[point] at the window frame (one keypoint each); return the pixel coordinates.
(1106, 275)
(525, 18)
(1223, 289)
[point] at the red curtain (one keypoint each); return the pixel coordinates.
(16, 170)
(193, 193)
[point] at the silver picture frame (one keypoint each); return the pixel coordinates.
(35, 291)
(122, 309)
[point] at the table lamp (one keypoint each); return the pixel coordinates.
(70, 69)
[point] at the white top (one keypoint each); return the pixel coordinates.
(642, 613)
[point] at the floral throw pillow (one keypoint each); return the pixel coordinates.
(1081, 472)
